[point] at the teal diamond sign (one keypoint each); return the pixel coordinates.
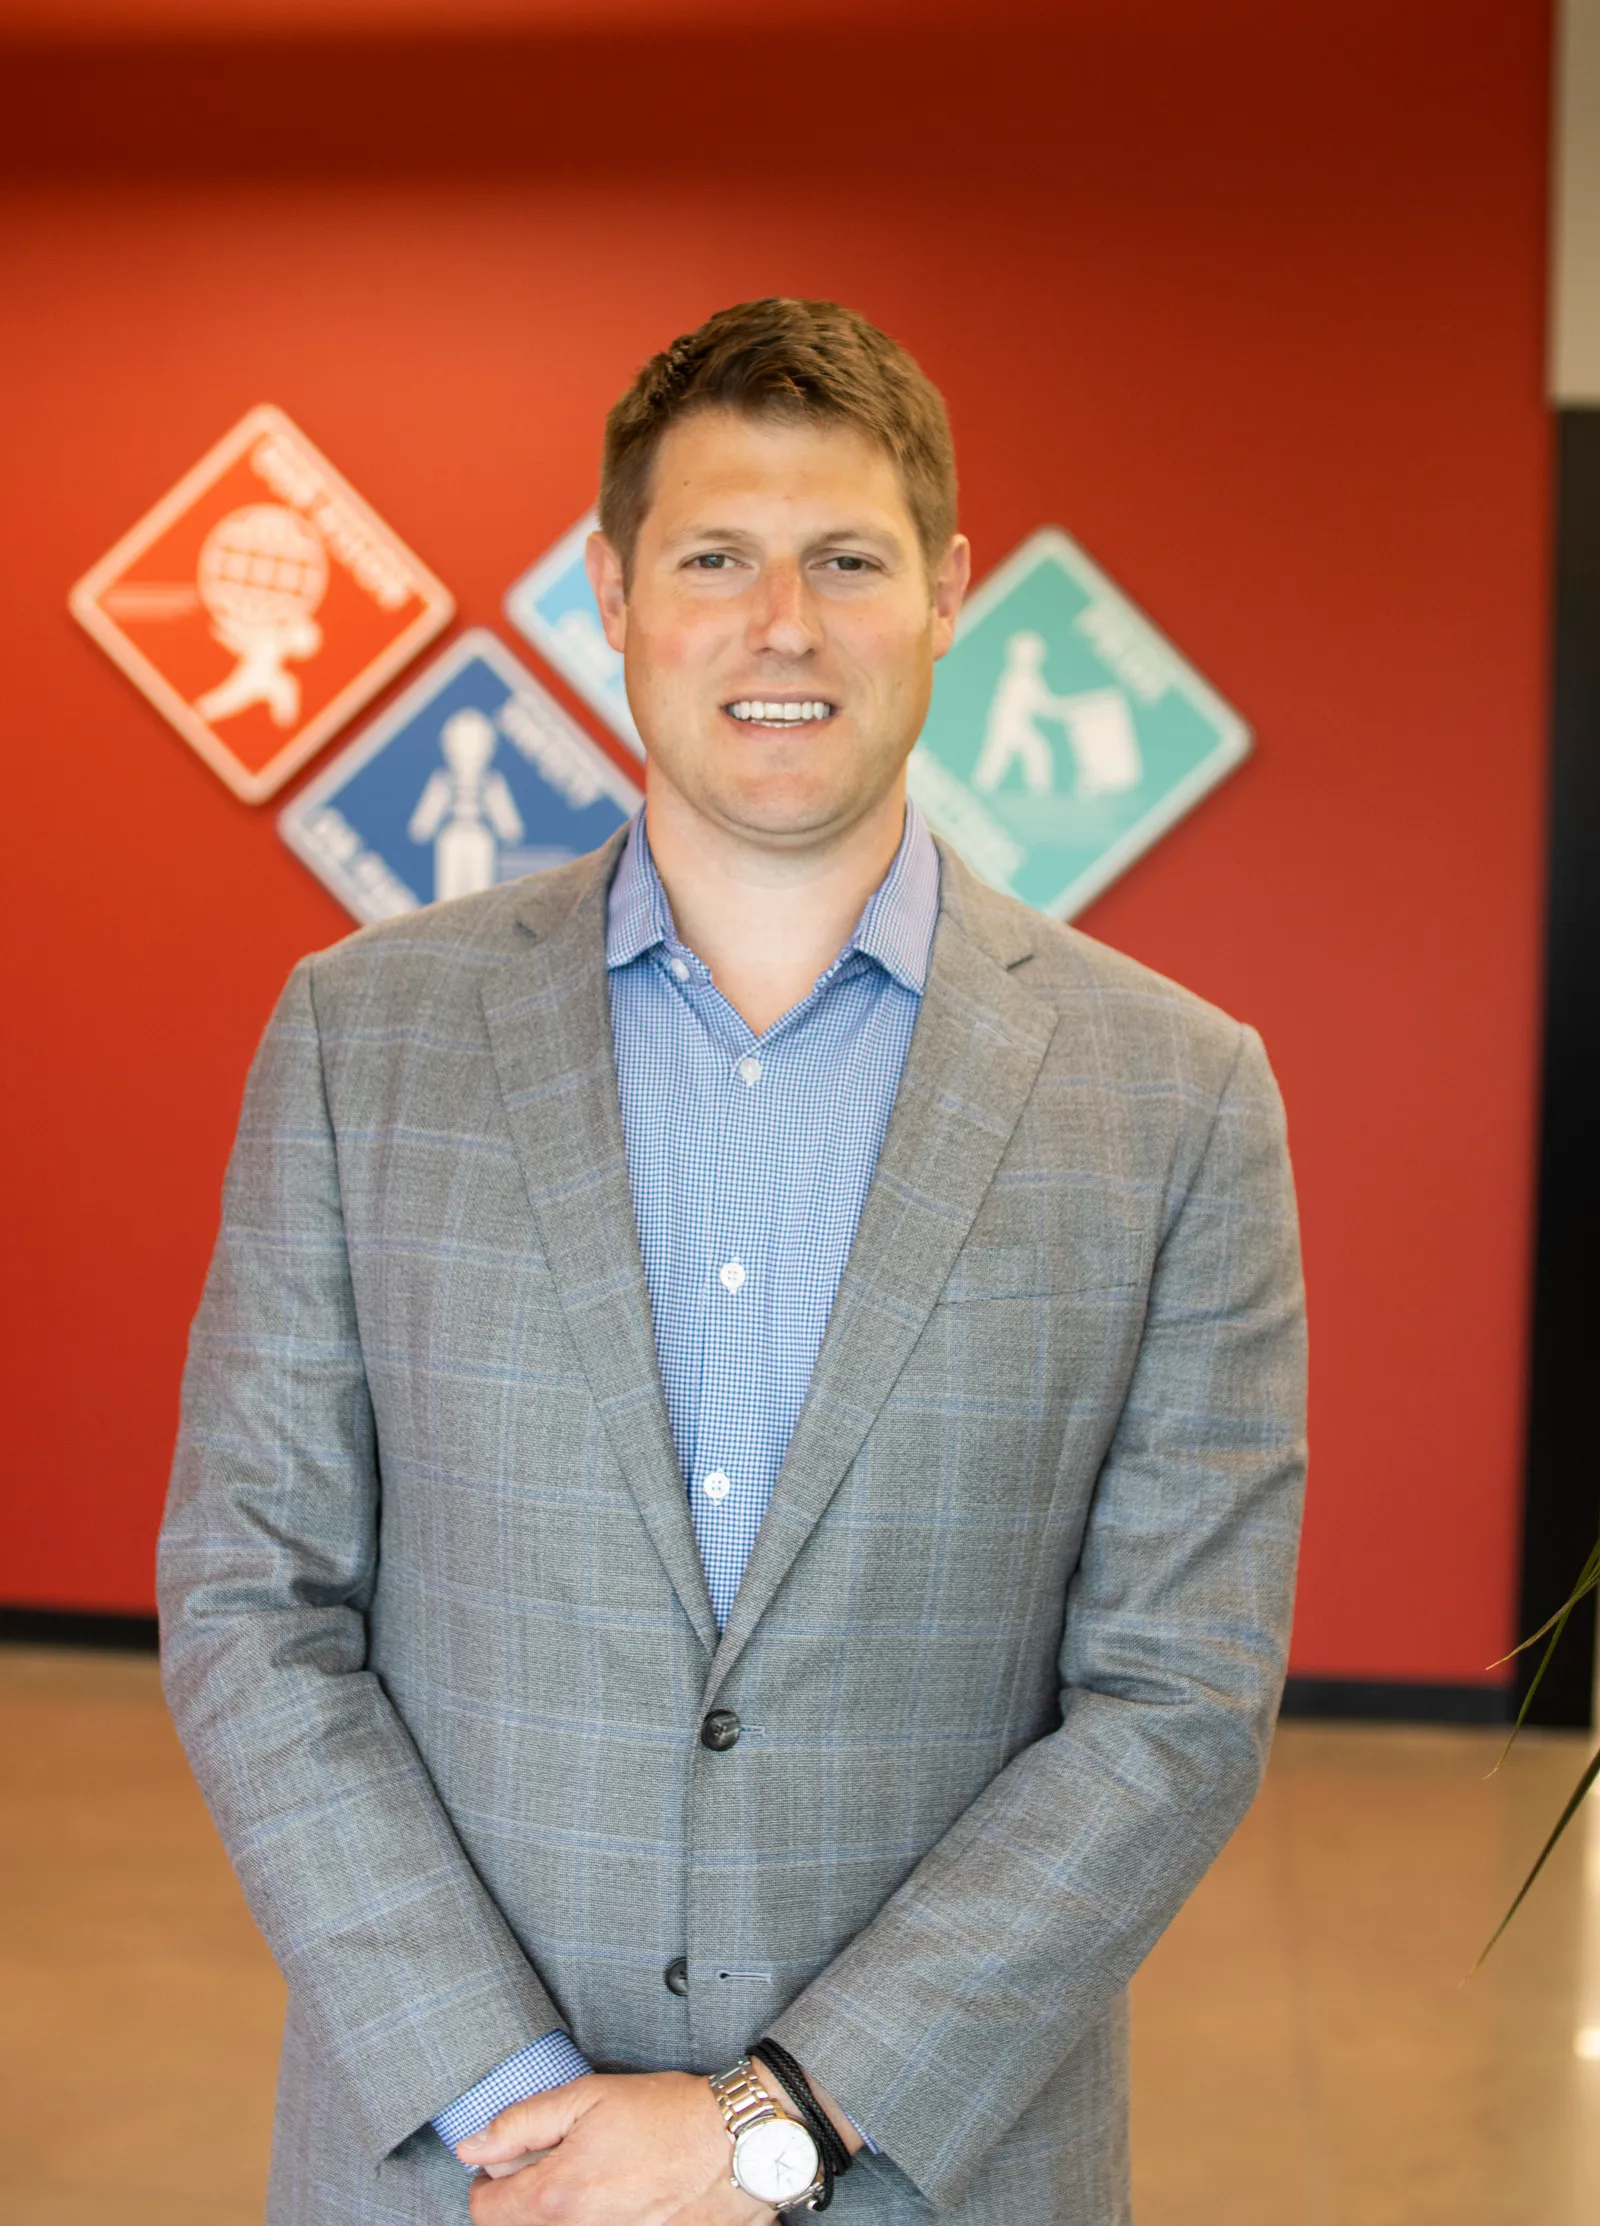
(1065, 735)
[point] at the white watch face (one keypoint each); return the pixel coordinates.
(775, 2161)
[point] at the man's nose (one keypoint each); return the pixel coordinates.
(783, 620)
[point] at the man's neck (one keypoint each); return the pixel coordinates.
(767, 922)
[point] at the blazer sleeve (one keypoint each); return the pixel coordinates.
(943, 2019)
(402, 1972)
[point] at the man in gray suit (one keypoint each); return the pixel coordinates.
(730, 1556)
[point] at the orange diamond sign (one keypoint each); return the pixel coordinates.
(260, 604)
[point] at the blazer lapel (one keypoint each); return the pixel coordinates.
(550, 1036)
(976, 1050)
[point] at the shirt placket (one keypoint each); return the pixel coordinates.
(736, 1461)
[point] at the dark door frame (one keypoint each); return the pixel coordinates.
(1561, 1510)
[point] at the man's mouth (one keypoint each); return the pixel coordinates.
(765, 711)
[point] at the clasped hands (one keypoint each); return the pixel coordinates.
(619, 2149)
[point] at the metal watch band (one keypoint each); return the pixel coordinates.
(742, 2098)
(744, 2103)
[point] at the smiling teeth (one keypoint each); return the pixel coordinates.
(779, 714)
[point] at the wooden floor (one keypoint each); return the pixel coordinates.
(1306, 2052)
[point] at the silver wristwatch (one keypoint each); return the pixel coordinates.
(775, 2159)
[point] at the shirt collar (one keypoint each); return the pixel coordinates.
(896, 927)
(638, 916)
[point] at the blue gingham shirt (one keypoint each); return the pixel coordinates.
(749, 1159)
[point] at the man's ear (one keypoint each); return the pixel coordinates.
(949, 586)
(604, 567)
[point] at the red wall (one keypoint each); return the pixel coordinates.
(1248, 298)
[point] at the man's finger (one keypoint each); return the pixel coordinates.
(538, 2123)
(517, 2164)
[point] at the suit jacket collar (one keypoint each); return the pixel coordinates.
(975, 1051)
(549, 1022)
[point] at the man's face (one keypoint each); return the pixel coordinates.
(780, 629)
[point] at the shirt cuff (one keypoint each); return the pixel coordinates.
(548, 2062)
(867, 2141)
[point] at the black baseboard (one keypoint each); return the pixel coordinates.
(122, 1634)
(1353, 1700)
(1360, 1700)
(1327, 1699)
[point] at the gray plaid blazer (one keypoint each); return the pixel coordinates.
(1009, 1645)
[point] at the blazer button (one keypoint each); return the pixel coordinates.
(720, 1730)
(677, 1975)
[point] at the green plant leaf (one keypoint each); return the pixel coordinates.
(1588, 1578)
(1565, 1818)
(1588, 1581)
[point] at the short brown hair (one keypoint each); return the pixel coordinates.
(782, 358)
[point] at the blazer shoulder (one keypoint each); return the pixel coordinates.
(463, 937)
(1068, 963)
(1136, 1013)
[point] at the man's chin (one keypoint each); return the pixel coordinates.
(788, 806)
(787, 820)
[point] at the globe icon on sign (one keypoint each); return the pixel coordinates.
(262, 572)
(262, 567)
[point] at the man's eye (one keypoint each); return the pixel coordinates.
(710, 560)
(849, 563)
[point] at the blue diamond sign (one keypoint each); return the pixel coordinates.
(474, 776)
(553, 607)
(1066, 734)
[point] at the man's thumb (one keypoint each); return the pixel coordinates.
(539, 2123)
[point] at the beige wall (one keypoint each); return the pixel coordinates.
(1575, 210)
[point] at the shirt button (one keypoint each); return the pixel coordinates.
(731, 1276)
(721, 1730)
(680, 972)
(748, 1070)
(676, 1976)
(716, 1485)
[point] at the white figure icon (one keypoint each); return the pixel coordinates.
(1096, 722)
(262, 572)
(466, 810)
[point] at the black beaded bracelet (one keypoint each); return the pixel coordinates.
(836, 2158)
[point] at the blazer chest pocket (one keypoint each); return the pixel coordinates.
(1034, 1271)
(1020, 1336)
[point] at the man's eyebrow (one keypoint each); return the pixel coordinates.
(884, 536)
(708, 533)
(850, 530)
